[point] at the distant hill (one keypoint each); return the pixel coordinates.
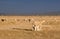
(52, 13)
(27, 14)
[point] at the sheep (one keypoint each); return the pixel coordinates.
(36, 28)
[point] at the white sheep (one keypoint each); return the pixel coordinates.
(36, 28)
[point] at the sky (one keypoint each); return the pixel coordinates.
(29, 6)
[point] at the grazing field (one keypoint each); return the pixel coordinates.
(20, 27)
(24, 34)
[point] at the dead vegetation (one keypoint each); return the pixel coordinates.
(23, 34)
(19, 27)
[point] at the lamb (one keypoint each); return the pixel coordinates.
(36, 28)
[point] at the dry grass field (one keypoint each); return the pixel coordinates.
(19, 27)
(23, 34)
